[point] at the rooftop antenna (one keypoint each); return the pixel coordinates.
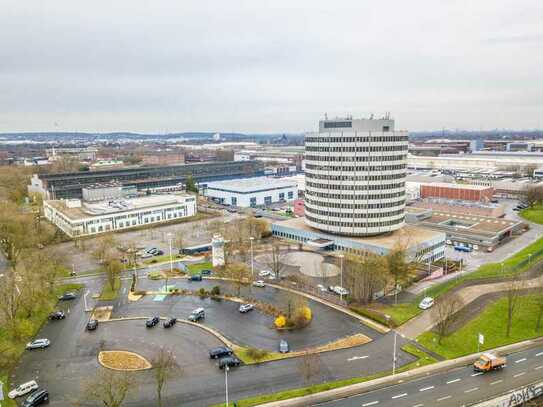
(325, 116)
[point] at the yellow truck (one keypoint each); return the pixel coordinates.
(488, 362)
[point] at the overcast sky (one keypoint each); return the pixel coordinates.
(268, 66)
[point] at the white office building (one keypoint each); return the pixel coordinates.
(355, 171)
(77, 218)
(251, 192)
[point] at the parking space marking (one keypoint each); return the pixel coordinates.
(539, 354)
(397, 396)
(539, 367)
(520, 360)
(426, 388)
(496, 382)
(453, 381)
(470, 390)
(371, 403)
(443, 398)
(519, 374)
(356, 358)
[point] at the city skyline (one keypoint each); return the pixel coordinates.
(268, 67)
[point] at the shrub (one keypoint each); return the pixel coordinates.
(202, 292)
(257, 354)
(154, 261)
(216, 290)
(139, 292)
(154, 275)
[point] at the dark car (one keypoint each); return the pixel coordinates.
(205, 272)
(57, 315)
(158, 253)
(229, 361)
(170, 322)
(219, 352)
(92, 325)
(151, 322)
(196, 277)
(38, 397)
(67, 297)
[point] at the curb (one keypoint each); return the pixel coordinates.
(359, 388)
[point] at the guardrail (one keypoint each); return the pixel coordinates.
(516, 397)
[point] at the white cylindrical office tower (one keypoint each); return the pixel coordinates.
(355, 177)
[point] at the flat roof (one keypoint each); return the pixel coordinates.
(255, 184)
(88, 210)
(456, 186)
(412, 235)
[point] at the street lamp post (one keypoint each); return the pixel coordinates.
(529, 258)
(502, 267)
(388, 319)
(171, 260)
(341, 278)
(226, 383)
(252, 258)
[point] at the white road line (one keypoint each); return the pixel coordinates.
(356, 358)
(520, 360)
(496, 382)
(476, 374)
(397, 396)
(519, 374)
(426, 388)
(539, 367)
(371, 403)
(539, 354)
(470, 390)
(443, 398)
(453, 381)
(418, 405)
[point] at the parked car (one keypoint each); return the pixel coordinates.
(170, 322)
(158, 253)
(40, 396)
(151, 322)
(271, 277)
(195, 277)
(206, 272)
(283, 346)
(426, 303)
(340, 290)
(220, 352)
(67, 296)
(264, 273)
(322, 288)
(229, 361)
(146, 255)
(92, 325)
(197, 314)
(38, 344)
(259, 283)
(151, 250)
(243, 308)
(23, 389)
(57, 315)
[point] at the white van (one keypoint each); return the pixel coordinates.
(197, 314)
(23, 389)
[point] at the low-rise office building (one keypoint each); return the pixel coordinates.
(77, 218)
(251, 192)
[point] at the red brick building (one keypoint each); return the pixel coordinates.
(463, 192)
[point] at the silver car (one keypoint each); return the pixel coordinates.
(38, 344)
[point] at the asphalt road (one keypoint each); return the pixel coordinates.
(457, 387)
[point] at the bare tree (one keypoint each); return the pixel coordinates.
(113, 268)
(398, 265)
(364, 276)
(513, 293)
(105, 247)
(275, 259)
(238, 272)
(108, 387)
(165, 368)
(534, 195)
(309, 365)
(444, 312)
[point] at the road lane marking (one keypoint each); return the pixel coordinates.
(496, 382)
(356, 358)
(539, 354)
(418, 405)
(453, 381)
(539, 367)
(520, 360)
(476, 374)
(397, 396)
(426, 388)
(443, 398)
(470, 390)
(519, 374)
(371, 403)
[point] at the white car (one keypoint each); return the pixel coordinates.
(426, 303)
(38, 343)
(340, 290)
(322, 288)
(23, 389)
(243, 308)
(259, 283)
(271, 277)
(264, 273)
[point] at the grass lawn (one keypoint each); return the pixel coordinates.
(14, 347)
(492, 324)
(109, 294)
(163, 258)
(403, 312)
(198, 267)
(534, 214)
(423, 359)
